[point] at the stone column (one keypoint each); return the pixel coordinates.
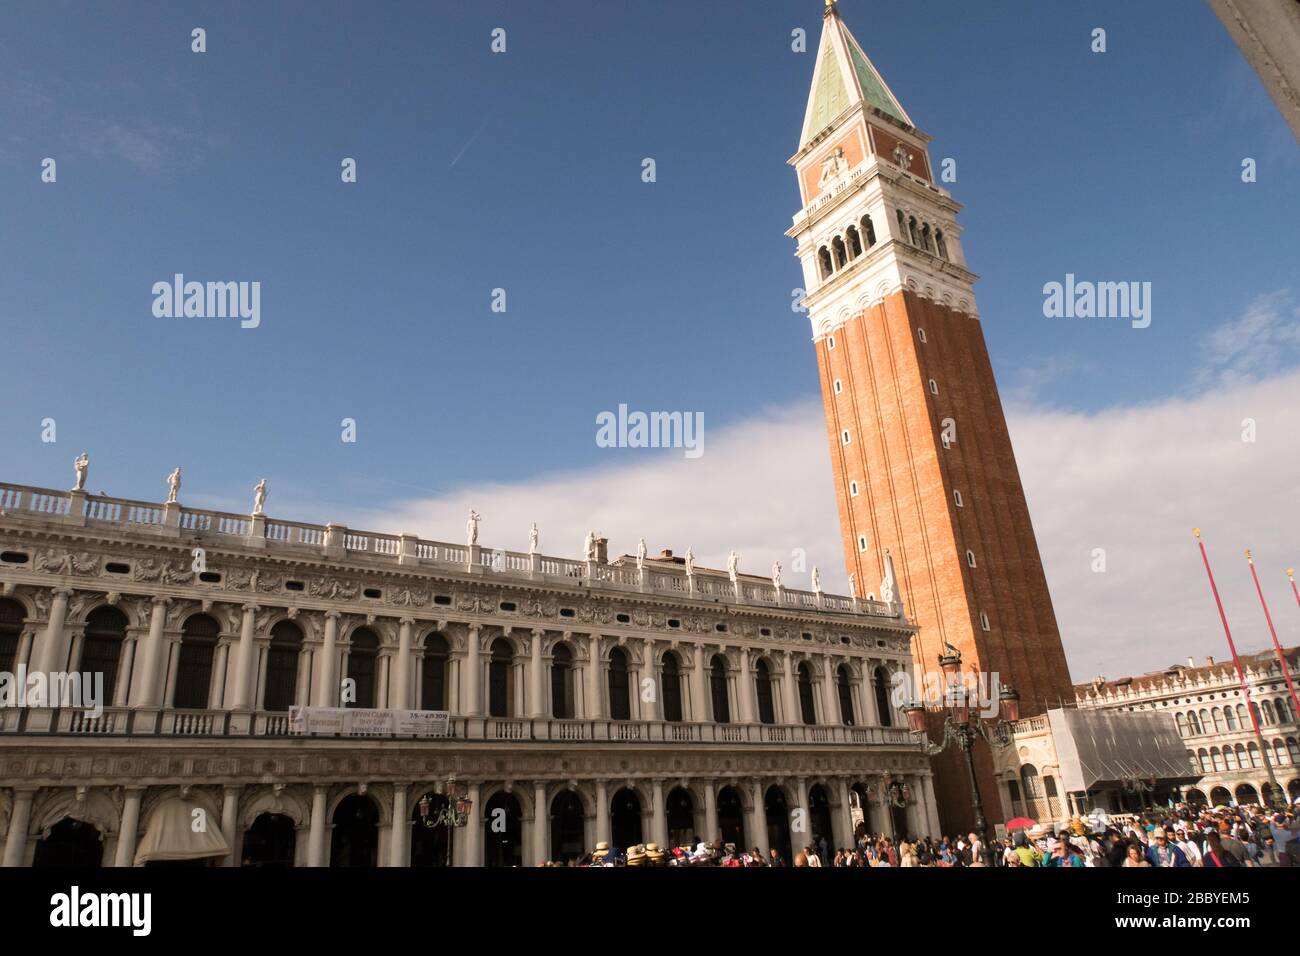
(125, 665)
(745, 689)
(841, 823)
(932, 806)
(399, 688)
(602, 812)
(327, 680)
(242, 698)
(230, 823)
(129, 828)
(804, 838)
(758, 818)
(830, 697)
(659, 829)
(317, 850)
(595, 690)
(473, 679)
(148, 692)
(710, 813)
(541, 819)
(217, 689)
(19, 820)
(870, 713)
(654, 708)
(789, 691)
(52, 652)
(700, 693)
(172, 652)
(398, 851)
(474, 828)
(536, 676)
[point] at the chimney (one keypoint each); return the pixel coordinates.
(602, 550)
(666, 554)
(1209, 661)
(1191, 662)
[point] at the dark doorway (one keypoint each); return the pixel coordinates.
(731, 817)
(763, 685)
(672, 680)
(620, 705)
(355, 841)
(681, 817)
(778, 823)
(625, 820)
(819, 819)
(568, 834)
(430, 845)
(503, 843)
(269, 842)
(194, 663)
(70, 843)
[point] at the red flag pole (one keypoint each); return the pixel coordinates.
(1236, 662)
(1286, 671)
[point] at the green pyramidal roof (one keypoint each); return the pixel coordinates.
(844, 77)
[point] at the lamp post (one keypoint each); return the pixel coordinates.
(962, 725)
(1140, 785)
(453, 813)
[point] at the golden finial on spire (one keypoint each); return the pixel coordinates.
(1197, 532)
(1290, 573)
(1249, 559)
(830, 5)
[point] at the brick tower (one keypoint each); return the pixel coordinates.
(921, 456)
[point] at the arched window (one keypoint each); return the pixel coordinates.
(1254, 712)
(620, 705)
(12, 615)
(194, 662)
(854, 242)
(718, 689)
(672, 681)
(1216, 716)
(1253, 750)
(362, 657)
(1229, 718)
(282, 665)
(806, 706)
(763, 686)
(927, 240)
(433, 673)
(913, 231)
(1032, 785)
(844, 682)
(1194, 722)
(562, 682)
(1293, 749)
(1216, 758)
(1229, 758)
(1204, 757)
(837, 247)
(824, 260)
(499, 678)
(1242, 718)
(869, 231)
(902, 224)
(1242, 760)
(1267, 707)
(102, 646)
(883, 707)
(940, 244)
(1181, 721)
(1279, 753)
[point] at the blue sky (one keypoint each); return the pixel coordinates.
(522, 171)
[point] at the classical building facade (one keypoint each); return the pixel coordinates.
(1208, 708)
(580, 701)
(920, 452)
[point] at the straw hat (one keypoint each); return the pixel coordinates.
(636, 855)
(655, 854)
(601, 851)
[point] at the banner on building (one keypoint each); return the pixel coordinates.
(368, 722)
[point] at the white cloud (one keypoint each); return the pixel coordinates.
(1131, 480)
(1263, 341)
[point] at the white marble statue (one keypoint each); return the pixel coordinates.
(82, 464)
(532, 539)
(776, 575)
(733, 566)
(173, 486)
(889, 585)
(816, 580)
(853, 586)
(589, 546)
(471, 527)
(690, 561)
(259, 498)
(640, 555)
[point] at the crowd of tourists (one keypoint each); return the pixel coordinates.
(1181, 835)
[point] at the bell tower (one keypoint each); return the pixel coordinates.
(920, 452)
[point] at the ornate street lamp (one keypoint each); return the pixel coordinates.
(962, 727)
(453, 813)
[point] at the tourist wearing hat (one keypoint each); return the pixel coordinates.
(1163, 852)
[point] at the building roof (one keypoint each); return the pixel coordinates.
(1209, 671)
(842, 79)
